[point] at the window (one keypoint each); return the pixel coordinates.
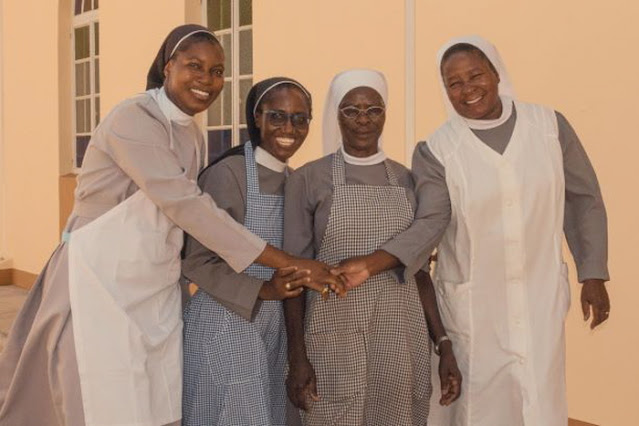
(86, 75)
(231, 21)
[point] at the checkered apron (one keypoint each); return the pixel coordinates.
(234, 369)
(370, 351)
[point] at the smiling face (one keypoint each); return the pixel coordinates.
(472, 85)
(360, 135)
(282, 141)
(195, 77)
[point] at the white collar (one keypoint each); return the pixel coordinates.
(506, 112)
(266, 159)
(169, 109)
(376, 158)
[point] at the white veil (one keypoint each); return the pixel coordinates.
(343, 83)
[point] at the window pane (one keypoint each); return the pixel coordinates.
(219, 142)
(78, 7)
(215, 112)
(82, 79)
(227, 95)
(97, 110)
(87, 116)
(96, 68)
(79, 115)
(82, 42)
(81, 143)
(244, 135)
(246, 12)
(219, 14)
(227, 44)
(87, 5)
(246, 52)
(96, 31)
(95, 4)
(245, 86)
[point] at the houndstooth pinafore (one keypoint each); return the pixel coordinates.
(370, 351)
(234, 369)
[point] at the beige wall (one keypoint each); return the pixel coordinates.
(580, 58)
(30, 129)
(318, 43)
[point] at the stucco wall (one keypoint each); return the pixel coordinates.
(30, 130)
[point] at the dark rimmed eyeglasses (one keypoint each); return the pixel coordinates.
(372, 112)
(279, 118)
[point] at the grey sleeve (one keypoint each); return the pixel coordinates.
(585, 222)
(298, 216)
(414, 246)
(236, 291)
(139, 145)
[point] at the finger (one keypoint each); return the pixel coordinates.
(295, 284)
(291, 274)
(312, 389)
(314, 285)
(282, 272)
(585, 308)
(600, 314)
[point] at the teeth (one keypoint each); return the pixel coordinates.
(474, 101)
(200, 93)
(285, 141)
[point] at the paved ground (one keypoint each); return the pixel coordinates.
(11, 299)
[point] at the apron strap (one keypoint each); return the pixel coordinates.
(252, 181)
(339, 173)
(392, 178)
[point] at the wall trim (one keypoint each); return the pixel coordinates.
(17, 277)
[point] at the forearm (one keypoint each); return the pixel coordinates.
(429, 304)
(274, 257)
(294, 311)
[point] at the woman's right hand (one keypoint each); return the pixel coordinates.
(301, 384)
(286, 282)
(321, 276)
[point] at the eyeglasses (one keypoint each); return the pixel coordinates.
(372, 112)
(278, 118)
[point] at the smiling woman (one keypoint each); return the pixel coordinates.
(107, 305)
(234, 328)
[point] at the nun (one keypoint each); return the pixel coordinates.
(234, 335)
(99, 338)
(499, 184)
(363, 359)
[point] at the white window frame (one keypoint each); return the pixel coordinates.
(235, 77)
(88, 18)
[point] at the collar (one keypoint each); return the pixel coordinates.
(376, 158)
(266, 159)
(506, 112)
(169, 109)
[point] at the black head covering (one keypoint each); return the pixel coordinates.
(253, 99)
(155, 77)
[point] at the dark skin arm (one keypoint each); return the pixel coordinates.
(301, 384)
(449, 374)
(594, 298)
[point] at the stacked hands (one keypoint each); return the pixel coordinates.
(290, 282)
